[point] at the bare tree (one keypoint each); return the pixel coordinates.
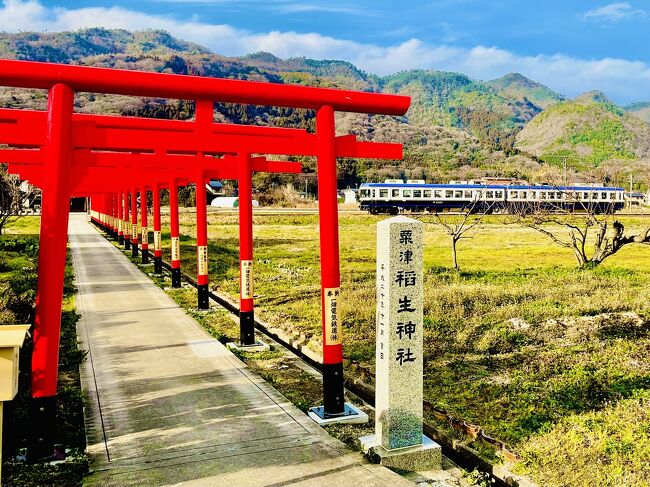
(12, 197)
(460, 227)
(589, 229)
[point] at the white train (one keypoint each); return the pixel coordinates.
(394, 196)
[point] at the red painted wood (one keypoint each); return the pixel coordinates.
(108, 157)
(27, 74)
(328, 220)
(245, 222)
(53, 240)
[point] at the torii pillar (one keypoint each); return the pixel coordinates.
(246, 310)
(134, 223)
(174, 233)
(202, 263)
(334, 407)
(144, 242)
(120, 219)
(127, 223)
(204, 118)
(51, 270)
(157, 243)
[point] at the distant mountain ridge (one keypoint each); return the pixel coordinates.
(640, 109)
(439, 97)
(456, 127)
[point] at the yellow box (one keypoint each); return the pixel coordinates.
(11, 339)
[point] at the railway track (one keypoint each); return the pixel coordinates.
(271, 211)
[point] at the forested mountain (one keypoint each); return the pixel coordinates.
(640, 109)
(456, 127)
(587, 132)
(518, 87)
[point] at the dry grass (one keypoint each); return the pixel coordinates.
(518, 341)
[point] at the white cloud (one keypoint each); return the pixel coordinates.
(614, 12)
(300, 7)
(623, 80)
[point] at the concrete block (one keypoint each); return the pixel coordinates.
(426, 456)
(352, 415)
(258, 346)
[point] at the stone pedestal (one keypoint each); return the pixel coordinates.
(351, 414)
(398, 438)
(419, 458)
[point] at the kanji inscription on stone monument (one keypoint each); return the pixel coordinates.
(399, 333)
(398, 441)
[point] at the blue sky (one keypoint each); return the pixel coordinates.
(572, 46)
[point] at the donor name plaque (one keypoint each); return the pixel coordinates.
(333, 335)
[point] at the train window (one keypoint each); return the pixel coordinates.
(513, 195)
(383, 193)
(489, 194)
(395, 193)
(364, 193)
(603, 196)
(558, 195)
(406, 193)
(498, 194)
(523, 194)
(374, 193)
(585, 196)
(417, 193)
(437, 193)
(458, 194)
(449, 193)
(427, 193)
(468, 195)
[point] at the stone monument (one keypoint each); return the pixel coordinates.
(398, 441)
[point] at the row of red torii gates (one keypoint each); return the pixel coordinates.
(112, 159)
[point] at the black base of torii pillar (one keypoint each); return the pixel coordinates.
(176, 277)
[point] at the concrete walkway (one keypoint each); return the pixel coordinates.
(169, 405)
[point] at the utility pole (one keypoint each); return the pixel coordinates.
(630, 194)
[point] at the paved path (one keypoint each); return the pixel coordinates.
(169, 405)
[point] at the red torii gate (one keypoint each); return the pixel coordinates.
(67, 145)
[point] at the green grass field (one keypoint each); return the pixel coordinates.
(551, 359)
(519, 341)
(18, 276)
